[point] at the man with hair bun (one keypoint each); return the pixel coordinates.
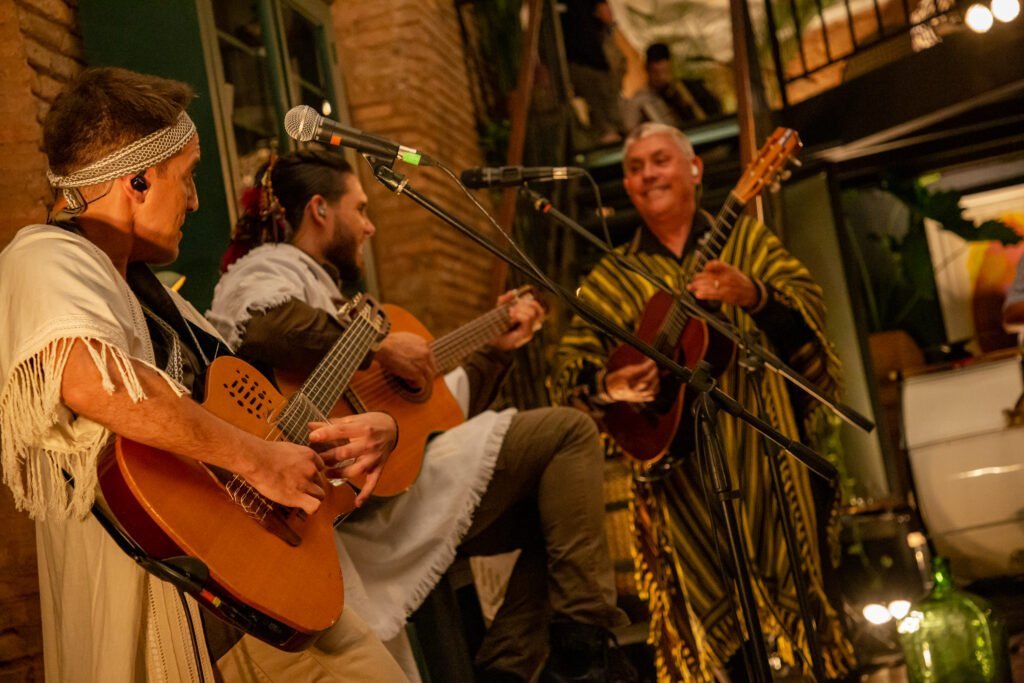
(529, 480)
(93, 345)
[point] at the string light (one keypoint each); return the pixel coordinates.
(1005, 10)
(978, 18)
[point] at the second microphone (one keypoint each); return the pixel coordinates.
(510, 176)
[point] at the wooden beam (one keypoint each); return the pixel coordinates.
(519, 110)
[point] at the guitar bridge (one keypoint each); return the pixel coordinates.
(269, 515)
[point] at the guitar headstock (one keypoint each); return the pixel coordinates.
(769, 166)
(364, 307)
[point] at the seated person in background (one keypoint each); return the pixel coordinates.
(1013, 307)
(528, 480)
(667, 99)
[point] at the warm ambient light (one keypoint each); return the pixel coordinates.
(899, 608)
(978, 18)
(877, 614)
(1005, 10)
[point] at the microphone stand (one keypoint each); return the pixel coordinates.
(700, 381)
(754, 365)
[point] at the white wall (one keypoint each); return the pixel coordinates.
(810, 232)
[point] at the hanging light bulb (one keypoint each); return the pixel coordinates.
(978, 18)
(1005, 10)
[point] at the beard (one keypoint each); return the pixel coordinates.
(343, 254)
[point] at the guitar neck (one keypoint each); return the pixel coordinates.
(714, 241)
(710, 248)
(453, 348)
(314, 400)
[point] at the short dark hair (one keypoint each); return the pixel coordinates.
(106, 108)
(298, 176)
(657, 52)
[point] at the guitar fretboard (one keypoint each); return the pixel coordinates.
(710, 248)
(314, 400)
(453, 348)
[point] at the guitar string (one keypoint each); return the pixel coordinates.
(319, 388)
(446, 349)
(341, 366)
(381, 385)
(334, 365)
(453, 342)
(292, 425)
(721, 228)
(296, 415)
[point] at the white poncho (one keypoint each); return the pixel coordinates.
(104, 619)
(392, 558)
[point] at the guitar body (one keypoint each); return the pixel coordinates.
(419, 413)
(173, 506)
(645, 432)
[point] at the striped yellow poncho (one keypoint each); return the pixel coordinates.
(694, 627)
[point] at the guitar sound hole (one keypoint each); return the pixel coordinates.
(409, 391)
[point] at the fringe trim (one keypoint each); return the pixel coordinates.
(30, 407)
(239, 325)
(393, 625)
(675, 661)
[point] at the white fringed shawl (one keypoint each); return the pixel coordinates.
(393, 556)
(98, 606)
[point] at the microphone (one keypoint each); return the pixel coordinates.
(302, 123)
(508, 176)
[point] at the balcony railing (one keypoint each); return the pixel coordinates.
(818, 44)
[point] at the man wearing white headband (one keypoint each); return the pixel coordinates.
(92, 346)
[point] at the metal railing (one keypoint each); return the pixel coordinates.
(794, 26)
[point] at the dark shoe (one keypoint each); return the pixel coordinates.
(580, 654)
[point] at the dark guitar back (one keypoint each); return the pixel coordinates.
(646, 432)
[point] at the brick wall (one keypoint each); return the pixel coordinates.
(405, 78)
(40, 49)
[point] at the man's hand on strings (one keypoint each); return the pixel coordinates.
(358, 445)
(287, 473)
(526, 316)
(638, 383)
(408, 356)
(721, 282)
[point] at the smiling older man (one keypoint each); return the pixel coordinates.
(695, 628)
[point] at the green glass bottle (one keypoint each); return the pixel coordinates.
(952, 636)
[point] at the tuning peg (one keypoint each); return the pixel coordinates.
(785, 174)
(775, 186)
(796, 162)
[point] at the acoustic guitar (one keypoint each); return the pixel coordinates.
(647, 431)
(418, 412)
(268, 569)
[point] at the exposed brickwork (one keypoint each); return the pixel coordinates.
(425, 102)
(405, 78)
(40, 49)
